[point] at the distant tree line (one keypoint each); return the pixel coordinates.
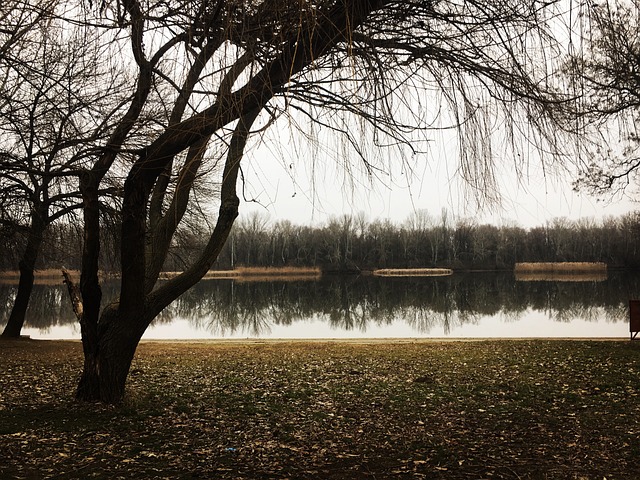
(352, 243)
(61, 247)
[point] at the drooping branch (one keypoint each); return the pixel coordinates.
(312, 41)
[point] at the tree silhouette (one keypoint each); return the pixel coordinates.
(206, 79)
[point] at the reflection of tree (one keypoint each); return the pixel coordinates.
(226, 307)
(49, 305)
(351, 303)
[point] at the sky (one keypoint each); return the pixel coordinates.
(283, 187)
(284, 184)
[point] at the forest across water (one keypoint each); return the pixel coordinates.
(352, 243)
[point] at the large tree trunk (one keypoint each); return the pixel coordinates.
(97, 350)
(19, 310)
(106, 368)
(25, 284)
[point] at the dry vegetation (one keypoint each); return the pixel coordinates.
(412, 272)
(560, 267)
(320, 410)
(253, 274)
(256, 274)
(51, 276)
(561, 272)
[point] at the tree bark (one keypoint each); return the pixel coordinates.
(89, 384)
(88, 388)
(106, 368)
(108, 356)
(19, 310)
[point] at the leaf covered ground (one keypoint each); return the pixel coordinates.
(518, 409)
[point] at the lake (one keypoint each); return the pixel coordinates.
(471, 305)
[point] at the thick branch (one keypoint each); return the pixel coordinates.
(165, 294)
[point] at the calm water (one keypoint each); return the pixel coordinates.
(460, 306)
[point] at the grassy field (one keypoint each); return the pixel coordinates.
(516, 409)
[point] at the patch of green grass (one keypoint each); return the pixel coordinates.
(488, 409)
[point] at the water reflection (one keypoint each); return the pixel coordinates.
(352, 306)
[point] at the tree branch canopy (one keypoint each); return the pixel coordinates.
(604, 75)
(200, 84)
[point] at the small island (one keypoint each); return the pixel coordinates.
(412, 272)
(561, 271)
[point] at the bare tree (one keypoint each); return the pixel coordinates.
(214, 75)
(17, 19)
(54, 96)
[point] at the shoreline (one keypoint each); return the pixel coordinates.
(329, 340)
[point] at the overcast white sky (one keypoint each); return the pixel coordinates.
(287, 189)
(283, 180)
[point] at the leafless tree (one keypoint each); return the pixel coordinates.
(56, 99)
(17, 18)
(214, 77)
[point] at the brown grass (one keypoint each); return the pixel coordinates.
(277, 271)
(557, 267)
(51, 276)
(270, 274)
(257, 274)
(412, 272)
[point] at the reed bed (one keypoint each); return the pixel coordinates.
(50, 276)
(560, 267)
(277, 274)
(213, 274)
(257, 274)
(412, 272)
(278, 278)
(277, 271)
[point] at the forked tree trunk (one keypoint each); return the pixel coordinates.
(106, 367)
(110, 343)
(90, 293)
